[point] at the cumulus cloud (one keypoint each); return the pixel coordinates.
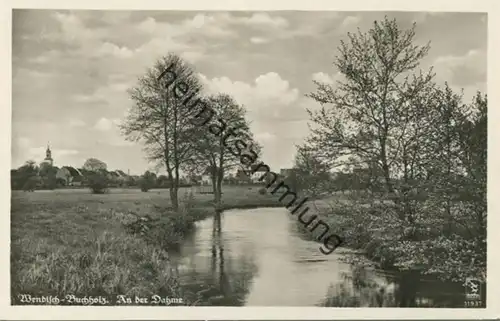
(73, 30)
(105, 124)
(350, 21)
(114, 95)
(207, 25)
(462, 70)
(328, 79)
(258, 40)
(322, 78)
(267, 89)
(110, 132)
(272, 107)
(264, 20)
(111, 49)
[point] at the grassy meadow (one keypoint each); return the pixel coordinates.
(67, 242)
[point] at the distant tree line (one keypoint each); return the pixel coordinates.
(93, 173)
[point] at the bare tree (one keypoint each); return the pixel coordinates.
(223, 143)
(160, 117)
(389, 120)
(380, 113)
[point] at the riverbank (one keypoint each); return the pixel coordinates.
(71, 241)
(411, 253)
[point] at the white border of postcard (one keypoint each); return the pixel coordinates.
(240, 313)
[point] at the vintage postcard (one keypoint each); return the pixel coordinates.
(278, 162)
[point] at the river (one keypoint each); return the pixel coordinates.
(258, 257)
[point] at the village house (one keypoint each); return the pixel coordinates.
(242, 177)
(257, 176)
(205, 179)
(70, 175)
(63, 174)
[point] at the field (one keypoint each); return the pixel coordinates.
(67, 242)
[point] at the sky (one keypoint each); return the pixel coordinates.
(71, 71)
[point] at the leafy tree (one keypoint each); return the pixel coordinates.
(14, 179)
(26, 176)
(159, 118)
(147, 181)
(32, 183)
(47, 174)
(214, 147)
(378, 111)
(390, 126)
(98, 182)
(93, 165)
(21, 177)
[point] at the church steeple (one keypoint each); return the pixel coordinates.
(48, 152)
(48, 155)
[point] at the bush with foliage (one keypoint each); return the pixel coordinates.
(25, 177)
(98, 182)
(145, 184)
(262, 191)
(147, 181)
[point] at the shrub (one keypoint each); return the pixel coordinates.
(147, 181)
(145, 184)
(262, 191)
(98, 183)
(168, 231)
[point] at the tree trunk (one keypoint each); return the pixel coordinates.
(174, 192)
(219, 189)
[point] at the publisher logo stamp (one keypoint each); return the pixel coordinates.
(472, 292)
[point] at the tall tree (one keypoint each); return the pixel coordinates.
(214, 146)
(160, 118)
(391, 120)
(381, 109)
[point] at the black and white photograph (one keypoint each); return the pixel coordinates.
(249, 158)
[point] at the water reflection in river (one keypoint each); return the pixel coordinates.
(258, 258)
